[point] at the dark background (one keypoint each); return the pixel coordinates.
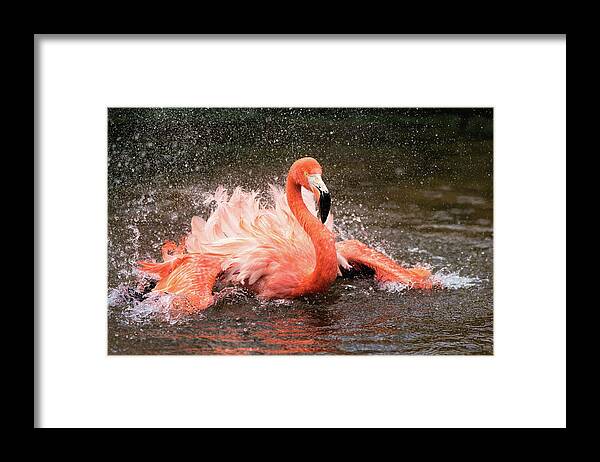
(414, 144)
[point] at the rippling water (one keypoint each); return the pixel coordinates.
(415, 184)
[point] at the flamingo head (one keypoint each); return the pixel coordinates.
(306, 172)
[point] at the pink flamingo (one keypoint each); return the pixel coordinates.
(279, 252)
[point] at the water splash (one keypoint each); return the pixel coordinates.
(141, 309)
(444, 279)
(453, 280)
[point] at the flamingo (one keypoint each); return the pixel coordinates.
(282, 251)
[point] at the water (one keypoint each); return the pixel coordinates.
(415, 184)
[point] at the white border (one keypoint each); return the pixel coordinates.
(523, 384)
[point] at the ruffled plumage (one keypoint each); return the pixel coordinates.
(260, 246)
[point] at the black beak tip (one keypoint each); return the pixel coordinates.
(324, 206)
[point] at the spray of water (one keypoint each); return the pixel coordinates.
(141, 309)
(453, 280)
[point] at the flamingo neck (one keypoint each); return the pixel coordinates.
(326, 268)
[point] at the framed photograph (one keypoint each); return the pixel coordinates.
(222, 237)
(318, 231)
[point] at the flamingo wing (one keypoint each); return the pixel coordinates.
(263, 248)
(354, 255)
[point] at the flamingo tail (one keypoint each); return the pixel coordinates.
(191, 277)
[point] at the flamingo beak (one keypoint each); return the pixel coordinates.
(324, 199)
